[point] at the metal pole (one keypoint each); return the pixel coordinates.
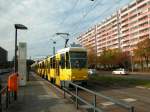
(7, 99)
(96, 46)
(15, 95)
(53, 50)
(64, 90)
(76, 97)
(132, 109)
(94, 103)
(15, 60)
(131, 61)
(0, 98)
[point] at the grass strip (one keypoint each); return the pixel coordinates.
(119, 81)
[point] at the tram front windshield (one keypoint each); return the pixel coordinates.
(78, 59)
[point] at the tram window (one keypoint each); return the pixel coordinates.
(78, 55)
(54, 61)
(51, 63)
(62, 61)
(48, 64)
(43, 64)
(67, 60)
(78, 63)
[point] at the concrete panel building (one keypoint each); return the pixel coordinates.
(123, 29)
(3, 55)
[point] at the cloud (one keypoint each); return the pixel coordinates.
(46, 17)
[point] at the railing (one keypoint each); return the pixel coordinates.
(8, 91)
(2, 71)
(4, 93)
(93, 105)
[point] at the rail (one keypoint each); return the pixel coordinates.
(93, 105)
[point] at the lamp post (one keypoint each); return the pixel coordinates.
(54, 42)
(21, 27)
(131, 54)
(65, 36)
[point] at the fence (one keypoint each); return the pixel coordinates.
(93, 105)
(10, 90)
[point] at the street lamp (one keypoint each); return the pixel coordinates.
(54, 42)
(21, 27)
(65, 36)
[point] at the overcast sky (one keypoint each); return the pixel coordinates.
(44, 18)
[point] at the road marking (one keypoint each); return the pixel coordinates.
(86, 106)
(140, 87)
(111, 103)
(107, 103)
(129, 100)
(41, 97)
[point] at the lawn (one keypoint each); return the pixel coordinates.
(112, 81)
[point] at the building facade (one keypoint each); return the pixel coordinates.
(3, 56)
(123, 29)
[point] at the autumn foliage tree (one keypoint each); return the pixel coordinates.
(142, 52)
(92, 58)
(113, 58)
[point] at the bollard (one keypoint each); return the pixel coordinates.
(13, 85)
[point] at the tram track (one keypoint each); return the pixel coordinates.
(121, 94)
(101, 102)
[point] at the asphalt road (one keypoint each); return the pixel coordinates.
(137, 96)
(135, 75)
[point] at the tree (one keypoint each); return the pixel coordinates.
(142, 52)
(92, 57)
(113, 58)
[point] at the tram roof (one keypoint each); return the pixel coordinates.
(71, 49)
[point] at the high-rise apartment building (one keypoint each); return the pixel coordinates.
(3, 55)
(123, 29)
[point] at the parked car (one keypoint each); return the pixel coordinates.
(120, 71)
(91, 71)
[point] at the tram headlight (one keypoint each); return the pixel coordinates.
(85, 76)
(73, 77)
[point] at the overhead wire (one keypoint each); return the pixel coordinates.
(86, 14)
(73, 7)
(104, 12)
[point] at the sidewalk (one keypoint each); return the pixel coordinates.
(38, 96)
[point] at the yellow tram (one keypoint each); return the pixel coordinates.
(68, 64)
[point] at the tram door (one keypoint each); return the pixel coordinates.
(57, 72)
(57, 68)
